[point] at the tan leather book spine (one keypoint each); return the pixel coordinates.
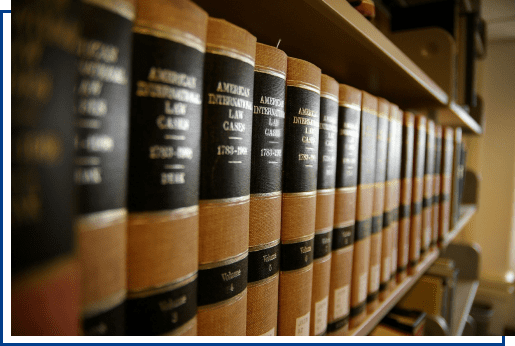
(349, 119)
(364, 208)
(437, 185)
(43, 268)
(299, 196)
(446, 182)
(225, 179)
(325, 204)
(457, 173)
(391, 195)
(408, 138)
(376, 237)
(164, 160)
(266, 190)
(427, 204)
(417, 193)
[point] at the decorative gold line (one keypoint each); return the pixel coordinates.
(150, 291)
(347, 248)
(323, 258)
(369, 111)
(103, 218)
(267, 194)
(300, 270)
(263, 281)
(120, 7)
(325, 191)
(229, 301)
(350, 105)
(162, 215)
(324, 230)
(344, 224)
(347, 189)
(270, 71)
(241, 199)
(145, 27)
(329, 96)
(224, 262)
(229, 52)
(108, 303)
(299, 194)
(303, 85)
(264, 246)
(298, 240)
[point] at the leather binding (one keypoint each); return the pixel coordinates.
(446, 183)
(461, 175)
(417, 198)
(408, 138)
(395, 189)
(325, 204)
(376, 237)
(102, 114)
(436, 185)
(299, 196)
(427, 204)
(225, 179)
(266, 190)
(456, 177)
(389, 188)
(44, 269)
(167, 77)
(349, 119)
(364, 208)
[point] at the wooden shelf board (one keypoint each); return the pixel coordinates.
(400, 290)
(467, 210)
(454, 115)
(464, 297)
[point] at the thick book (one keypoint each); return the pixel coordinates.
(349, 119)
(408, 138)
(364, 208)
(391, 195)
(45, 291)
(102, 129)
(461, 175)
(456, 177)
(164, 157)
(427, 202)
(436, 185)
(419, 156)
(300, 167)
(394, 218)
(225, 179)
(266, 190)
(446, 183)
(376, 237)
(324, 204)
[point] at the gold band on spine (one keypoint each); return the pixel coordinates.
(324, 230)
(122, 8)
(98, 307)
(369, 111)
(325, 191)
(267, 194)
(229, 52)
(344, 224)
(264, 246)
(349, 105)
(270, 71)
(145, 27)
(102, 219)
(299, 194)
(298, 240)
(224, 262)
(163, 215)
(229, 301)
(225, 200)
(146, 292)
(346, 189)
(329, 96)
(303, 85)
(263, 281)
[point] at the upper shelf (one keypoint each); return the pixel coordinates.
(335, 37)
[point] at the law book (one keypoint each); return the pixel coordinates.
(326, 179)
(102, 115)
(456, 177)
(461, 172)
(164, 157)
(396, 196)
(419, 156)
(436, 185)
(266, 190)
(408, 138)
(45, 285)
(446, 183)
(225, 179)
(349, 119)
(364, 208)
(427, 202)
(376, 237)
(300, 168)
(391, 196)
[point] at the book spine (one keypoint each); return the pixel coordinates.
(164, 158)
(376, 237)
(397, 186)
(418, 192)
(349, 118)
(456, 177)
(364, 208)
(390, 190)
(225, 179)
(45, 283)
(446, 181)
(266, 190)
(408, 138)
(102, 115)
(324, 204)
(462, 171)
(427, 203)
(436, 185)
(299, 196)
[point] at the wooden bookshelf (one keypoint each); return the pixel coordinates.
(466, 212)
(335, 37)
(464, 296)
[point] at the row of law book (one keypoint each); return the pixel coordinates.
(172, 176)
